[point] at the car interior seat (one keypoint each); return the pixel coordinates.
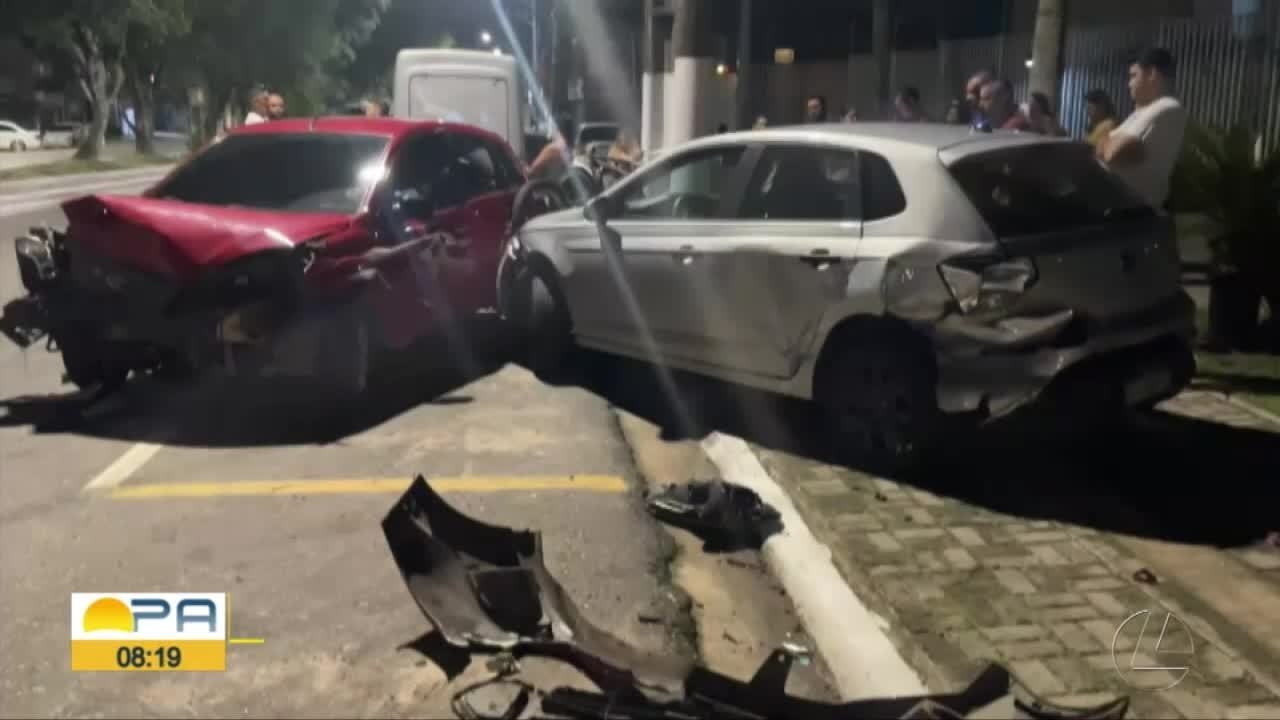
(800, 190)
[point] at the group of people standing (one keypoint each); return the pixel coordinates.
(263, 107)
(1142, 150)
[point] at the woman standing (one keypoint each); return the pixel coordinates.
(625, 149)
(1101, 112)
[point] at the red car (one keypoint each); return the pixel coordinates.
(298, 248)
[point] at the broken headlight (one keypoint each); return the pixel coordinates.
(251, 279)
(42, 256)
(36, 264)
(983, 284)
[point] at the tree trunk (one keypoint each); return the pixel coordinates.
(100, 78)
(1046, 49)
(93, 82)
(91, 147)
(216, 111)
(144, 110)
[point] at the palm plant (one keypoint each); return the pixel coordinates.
(1225, 175)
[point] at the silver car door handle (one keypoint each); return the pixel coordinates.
(684, 255)
(820, 259)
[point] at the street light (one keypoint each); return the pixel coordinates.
(485, 37)
(497, 51)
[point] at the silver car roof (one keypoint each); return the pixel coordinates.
(949, 142)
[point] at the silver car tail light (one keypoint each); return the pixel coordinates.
(982, 286)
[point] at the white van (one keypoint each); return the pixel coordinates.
(467, 86)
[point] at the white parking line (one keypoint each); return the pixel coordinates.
(125, 466)
(850, 637)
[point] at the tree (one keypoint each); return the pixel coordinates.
(293, 46)
(95, 34)
(149, 46)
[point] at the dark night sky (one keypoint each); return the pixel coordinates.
(817, 29)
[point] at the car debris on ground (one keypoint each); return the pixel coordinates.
(726, 517)
(486, 590)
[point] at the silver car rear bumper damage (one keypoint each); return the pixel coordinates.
(994, 370)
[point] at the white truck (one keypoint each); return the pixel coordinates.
(467, 86)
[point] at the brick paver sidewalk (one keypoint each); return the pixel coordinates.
(961, 584)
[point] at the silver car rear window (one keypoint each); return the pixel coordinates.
(1036, 189)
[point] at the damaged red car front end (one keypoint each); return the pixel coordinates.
(290, 251)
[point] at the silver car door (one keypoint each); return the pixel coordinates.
(589, 291)
(799, 224)
(662, 220)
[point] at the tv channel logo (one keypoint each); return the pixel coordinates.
(148, 631)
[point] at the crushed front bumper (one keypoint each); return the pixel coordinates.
(265, 338)
(1142, 358)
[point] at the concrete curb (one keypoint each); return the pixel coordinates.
(1254, 409)
(1264, 415)
(851, 639)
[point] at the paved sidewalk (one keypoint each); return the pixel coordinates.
(961, 583)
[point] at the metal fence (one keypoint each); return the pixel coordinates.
(1222, 76)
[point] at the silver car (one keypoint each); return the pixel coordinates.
(893, 273)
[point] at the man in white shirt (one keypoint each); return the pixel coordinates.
(257, 108)
(1146, 146)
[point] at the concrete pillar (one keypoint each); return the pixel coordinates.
(1046, 49)
(851, 74)
(695, 61)
(948, 82)
(652, 88)
(742, 117)
(882, 48)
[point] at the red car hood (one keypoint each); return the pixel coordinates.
(177, 238)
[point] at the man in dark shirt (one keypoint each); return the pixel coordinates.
(972, 96)
(907, 107)
(815, 109)
(998, 109)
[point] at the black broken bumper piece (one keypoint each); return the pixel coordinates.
(24, 321)
(485, 589)
(725, 516)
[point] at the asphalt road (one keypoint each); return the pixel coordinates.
(168, 490)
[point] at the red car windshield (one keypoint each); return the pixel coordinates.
(289, 172)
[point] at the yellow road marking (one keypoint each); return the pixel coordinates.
(367, 486)
(246, 641)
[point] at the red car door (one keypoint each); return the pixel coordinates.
(473, 200)
(407, 297)
(462, 187)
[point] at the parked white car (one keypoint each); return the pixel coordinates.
(894, 273)
(66, 135)
(15, 138)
